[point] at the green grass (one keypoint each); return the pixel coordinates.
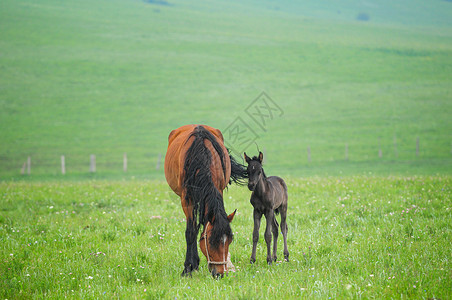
(108, 77)
(349, 237)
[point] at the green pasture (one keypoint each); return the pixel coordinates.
(349, 237)
(108, 77)
(359, 125)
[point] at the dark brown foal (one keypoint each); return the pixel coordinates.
(269, 198)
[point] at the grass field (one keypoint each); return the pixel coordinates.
(352, 237)
(358, 83)
(108, 77)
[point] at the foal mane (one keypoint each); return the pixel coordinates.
(200, 190)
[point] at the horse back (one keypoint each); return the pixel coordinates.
(179, 141)
(279, 190)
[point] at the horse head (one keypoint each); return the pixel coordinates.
(216, 248)
(254, 170)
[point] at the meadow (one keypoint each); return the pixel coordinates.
(351, 237)
(360, 129)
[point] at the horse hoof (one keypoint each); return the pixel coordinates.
(252, 260)
(185, 274)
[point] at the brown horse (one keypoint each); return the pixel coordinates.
(198, 168)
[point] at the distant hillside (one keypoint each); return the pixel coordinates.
(112, 77)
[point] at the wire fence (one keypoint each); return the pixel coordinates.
(118, 163)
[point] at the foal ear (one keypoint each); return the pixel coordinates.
(261, 157)
(247, 159)
(231, 216)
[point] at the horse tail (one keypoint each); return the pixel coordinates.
(239, 175)
(200, 190)
(284, 187)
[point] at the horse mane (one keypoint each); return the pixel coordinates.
(200, 190)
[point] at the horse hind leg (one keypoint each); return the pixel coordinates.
(275, 227)
(284, 230)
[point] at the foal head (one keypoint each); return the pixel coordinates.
(254, 170)
(215, 247)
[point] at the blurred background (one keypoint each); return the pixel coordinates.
(321, 87)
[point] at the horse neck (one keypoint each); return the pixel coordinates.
(262, 186)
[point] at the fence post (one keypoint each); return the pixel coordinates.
(63, 165)
(395, 147)
(92, 163)
(157, 167)
(417, 146)
(124, 162)
(22, 170)
(346, 151)
(309, 154)
(380, 153)
(29, 165)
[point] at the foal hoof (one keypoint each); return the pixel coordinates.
(252, 260)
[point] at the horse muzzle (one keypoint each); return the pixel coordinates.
(216, 274)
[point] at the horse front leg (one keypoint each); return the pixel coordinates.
(257, 223)
(191, 257)
(268, 234)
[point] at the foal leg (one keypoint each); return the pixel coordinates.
(275, 228)
(284, 230)
(257, 223)
(268, 234)
(191, 258)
